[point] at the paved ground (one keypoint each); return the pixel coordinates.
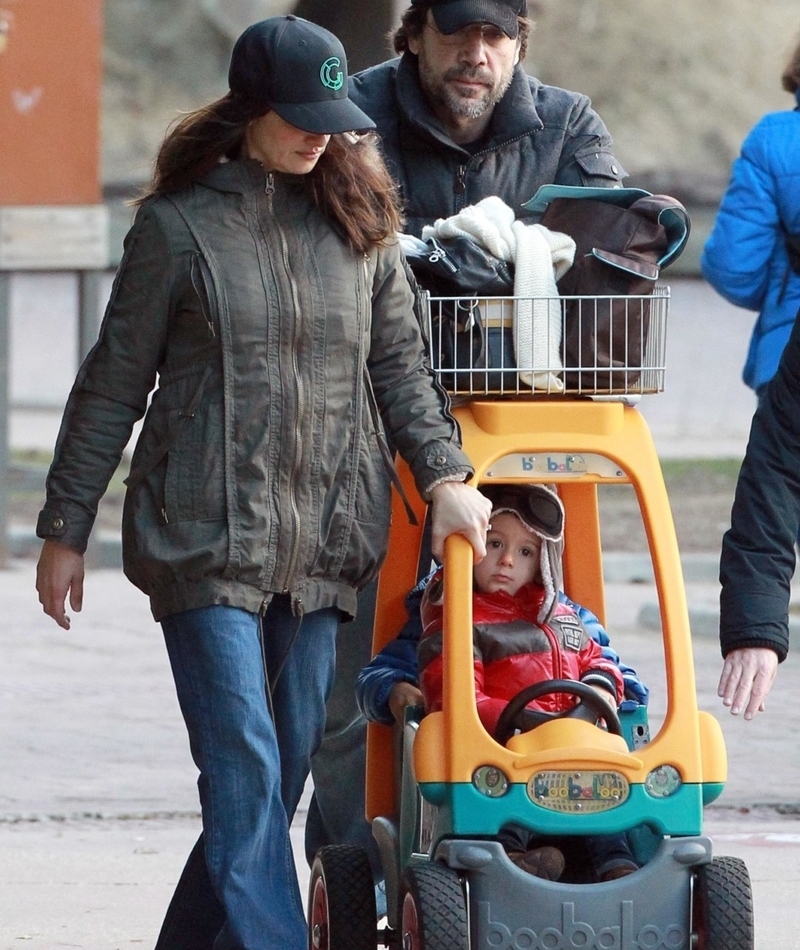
(97, 800)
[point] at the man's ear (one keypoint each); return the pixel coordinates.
(413, 44)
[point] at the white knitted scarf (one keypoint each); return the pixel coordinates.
(540, 257)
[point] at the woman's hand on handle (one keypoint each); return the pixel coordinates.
(59, 573)
(747, 677)
(459, 508)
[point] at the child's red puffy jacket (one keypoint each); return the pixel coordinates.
(513, 651)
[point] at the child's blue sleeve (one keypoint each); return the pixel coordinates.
(635, 689)
(396, 663)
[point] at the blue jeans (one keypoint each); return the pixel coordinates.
(254, 756)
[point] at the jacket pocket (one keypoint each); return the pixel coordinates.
(598, 162)
(194, 483)
(370, 527)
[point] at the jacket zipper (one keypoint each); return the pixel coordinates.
(558, 667)
(296, 463)
(460, 187)
(202, 293)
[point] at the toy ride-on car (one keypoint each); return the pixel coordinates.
(440, 790)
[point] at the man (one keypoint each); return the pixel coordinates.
(459, 120)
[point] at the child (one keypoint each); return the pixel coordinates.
(524, 632)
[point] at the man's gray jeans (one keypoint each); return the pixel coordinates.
(336, 811)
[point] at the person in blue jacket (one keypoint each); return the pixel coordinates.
(745, 258)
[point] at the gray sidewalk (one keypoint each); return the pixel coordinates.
(98, 807)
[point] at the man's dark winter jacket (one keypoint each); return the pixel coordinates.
(258, 469)
(758, 558)
(538, 135)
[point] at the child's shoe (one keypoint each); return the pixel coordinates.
(545, 862)
(617, 870)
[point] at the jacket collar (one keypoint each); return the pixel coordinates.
(514, 116)
(526, 603)
(243, 176)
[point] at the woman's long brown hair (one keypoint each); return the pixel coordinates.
(350, 183)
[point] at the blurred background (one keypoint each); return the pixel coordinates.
(678, 83)
(88, 88)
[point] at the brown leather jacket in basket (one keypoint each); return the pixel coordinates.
(624, 237)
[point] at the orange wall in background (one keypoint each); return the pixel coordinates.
(50, 83)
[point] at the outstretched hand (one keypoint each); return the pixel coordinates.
(59, 573)
(459, 508)
(747, 677)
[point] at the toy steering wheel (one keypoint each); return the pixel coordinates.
(591, 707)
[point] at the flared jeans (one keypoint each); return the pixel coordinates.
(252, 691)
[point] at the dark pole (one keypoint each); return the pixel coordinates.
(361, 25)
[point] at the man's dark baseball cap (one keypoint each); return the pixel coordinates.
(299, 70)
(452, 15)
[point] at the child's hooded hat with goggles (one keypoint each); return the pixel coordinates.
(540, 510)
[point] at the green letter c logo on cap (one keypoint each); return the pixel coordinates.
(330, 74)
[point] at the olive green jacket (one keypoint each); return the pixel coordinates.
(280, 355)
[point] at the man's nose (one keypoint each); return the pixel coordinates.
(473, 48)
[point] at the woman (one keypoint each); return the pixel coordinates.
(746, 258)
(261, 283)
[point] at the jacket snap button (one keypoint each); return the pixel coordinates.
(614, 169)
(58, 523)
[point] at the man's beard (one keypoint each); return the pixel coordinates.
(466, 107)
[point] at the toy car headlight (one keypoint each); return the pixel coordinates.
(490, 781)
(663, 781)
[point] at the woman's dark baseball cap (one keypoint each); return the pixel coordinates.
(453, 15)
(299, 70)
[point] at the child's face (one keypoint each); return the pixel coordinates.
(512, 556)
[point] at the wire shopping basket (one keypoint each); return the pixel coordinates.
(606, 345)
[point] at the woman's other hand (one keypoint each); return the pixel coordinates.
(747, 677)
(59, 572)
(459, 508)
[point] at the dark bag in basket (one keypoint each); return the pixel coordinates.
(479, 354)
(623, 237)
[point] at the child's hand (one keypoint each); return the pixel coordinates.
(402, 695)
(608, 696)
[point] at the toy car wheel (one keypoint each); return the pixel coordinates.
(433, 911)
(341, 901)
(723, 906)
